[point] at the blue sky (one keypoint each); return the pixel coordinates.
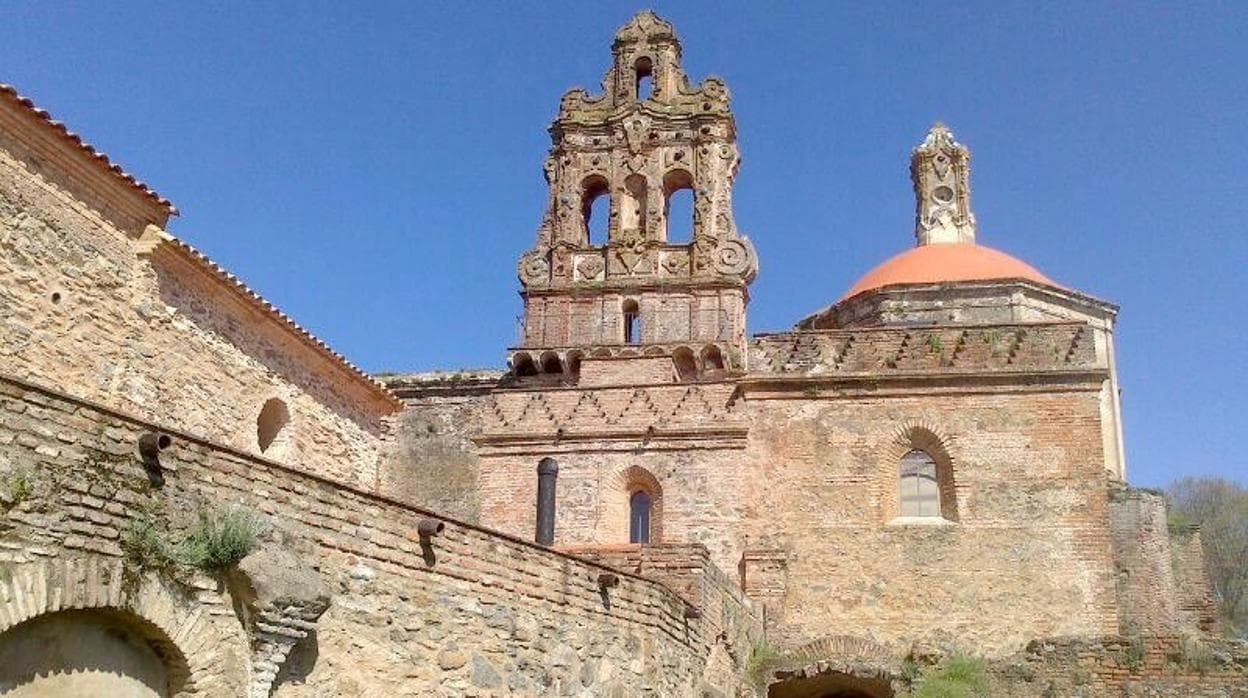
(375, 169)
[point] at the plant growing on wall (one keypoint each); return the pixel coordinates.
(16, 486)
(221, 539)
(957, 676)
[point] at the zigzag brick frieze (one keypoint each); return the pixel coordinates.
(917, 350)
(647, 409)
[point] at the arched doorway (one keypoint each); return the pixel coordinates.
(836, 666)
(95, 652)
(830, 684)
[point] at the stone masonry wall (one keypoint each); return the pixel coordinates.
(467, 612)
(84, 313)
(1116, 667)
(433, 463)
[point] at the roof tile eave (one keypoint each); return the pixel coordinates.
(96, 155)
(375, 386)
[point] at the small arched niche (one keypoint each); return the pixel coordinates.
(686, 363)
(271, 424)
(633, 206)
(574, 363)
(712, 358)
(551, 364)
(522, 364)
(678, 206)
(596, 210)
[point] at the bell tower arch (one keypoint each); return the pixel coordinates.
(647, 137)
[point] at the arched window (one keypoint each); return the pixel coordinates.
(678, 206)
(639, 517)
(274, 416)
(595, 209)
(632, 322)
(919, 488)
(645, 78)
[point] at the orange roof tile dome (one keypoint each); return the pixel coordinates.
(947, 262)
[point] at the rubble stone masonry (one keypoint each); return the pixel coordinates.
(156, 336)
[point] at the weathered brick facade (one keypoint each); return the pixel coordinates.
(931, 464)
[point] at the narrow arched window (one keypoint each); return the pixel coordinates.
(639, 517)
(274, 416)
(632, 322)
(919, 488)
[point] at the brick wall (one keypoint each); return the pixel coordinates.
(1143, 562)
(473, 613)
(802, 472)
(1024, 553)
(627, 371)
(1196, 609)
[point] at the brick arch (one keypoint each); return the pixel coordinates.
(630, 480)
(923, 436)
(193, 648)
(834, 664)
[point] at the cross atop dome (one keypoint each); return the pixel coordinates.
(940, 168)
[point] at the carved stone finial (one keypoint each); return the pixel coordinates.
(645, 26)
(940, 168)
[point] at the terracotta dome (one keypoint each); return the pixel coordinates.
(940, 263)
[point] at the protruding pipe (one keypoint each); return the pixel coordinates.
(428, 528)
(152, 443)
(608, 580)
(547, 475)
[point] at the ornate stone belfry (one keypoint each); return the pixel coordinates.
(940, 168)
(629, 150)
